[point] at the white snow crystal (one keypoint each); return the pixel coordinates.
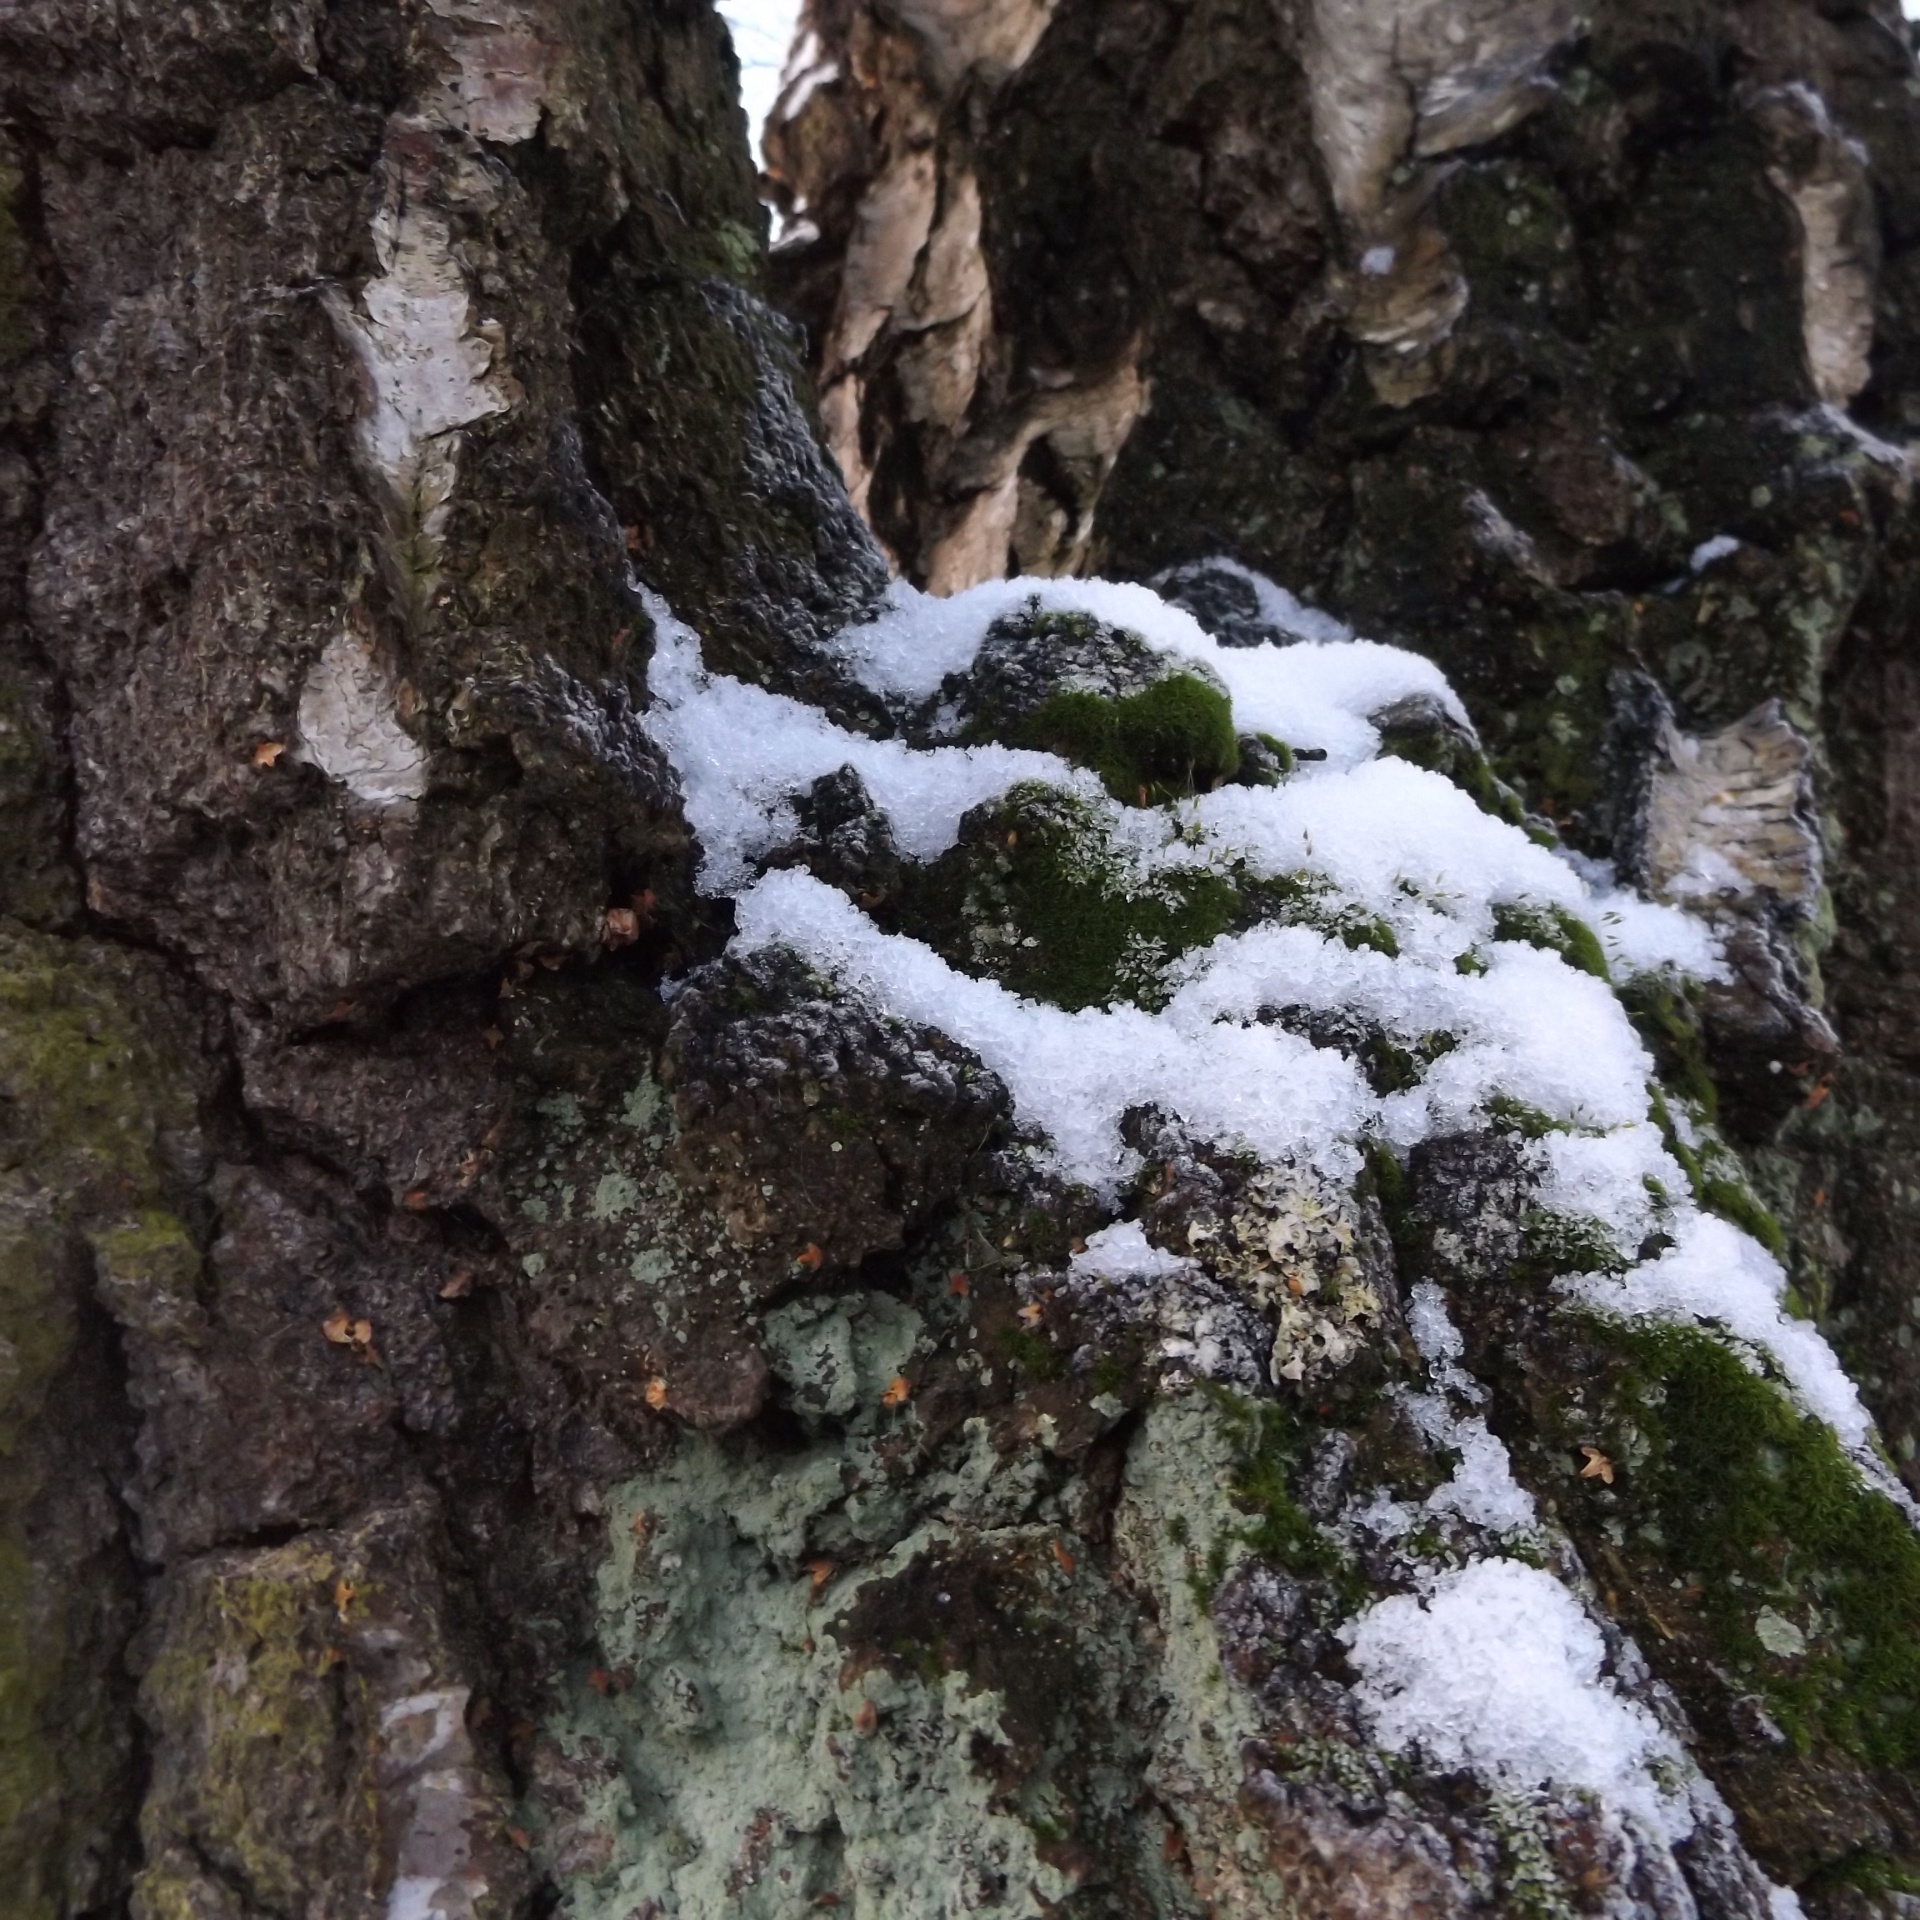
(1494, 1667)
(1123, 1252)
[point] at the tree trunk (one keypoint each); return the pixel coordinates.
(637, 1276)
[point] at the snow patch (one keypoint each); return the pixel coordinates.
(1495, 1667)
(1715, 1275)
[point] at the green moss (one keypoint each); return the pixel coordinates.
(1666, 1018)
(1556, 931)
(1874, 1874)
(1453, 756)
(269, 1621)
(1268, 1442)
(1279, 749)
(1038, 897)
(1766, 1521)
(1034, 1354)
(86, 1065)
(1733, 1200)
(1172, 738)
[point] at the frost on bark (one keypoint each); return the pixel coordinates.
(679, 1235)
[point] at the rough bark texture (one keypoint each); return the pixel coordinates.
(483, 1434)
(1471, 323)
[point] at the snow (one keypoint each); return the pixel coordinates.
(1717, 1275)
(1491, 1665)
(1123, 1252)
(1381, 838)
(1316, 694)
(743, 754)
(1074, 1075)
(1494, 1667)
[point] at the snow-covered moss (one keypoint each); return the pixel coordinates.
(1301, 1065)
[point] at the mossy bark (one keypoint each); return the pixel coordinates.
(505, 1410)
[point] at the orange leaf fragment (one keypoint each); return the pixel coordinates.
(268, 751)
(819, 1572)
(1597, 1467)
(898, 1392)
(458, 1284)
(1061, 1554)
(1032, 1314)
(520, 1837)
(343, 1593)
(493, 1037)
(958, 1283)
(619, 927)
(416, 1200)
(600, 1680)
(655, 1393)
(866, 1720)
(338, 1328)
(1819, 1093)
(810, 1257)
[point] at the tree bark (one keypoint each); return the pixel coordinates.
(514, 1399)
(1473, 326)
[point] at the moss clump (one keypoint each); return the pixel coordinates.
(1666, 1019)
(294, 1713)
(1170, 739)
(1806, 1581)
(1557, 931)
(1452, 754)
(1037, 896)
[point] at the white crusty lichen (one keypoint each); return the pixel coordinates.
(350, 725)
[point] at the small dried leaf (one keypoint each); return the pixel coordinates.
(416, 1200)
(619, 927)
(1597, 1467)
(338, 1328)
(343, 1593)
(493, 1037)
(656, 1393)
(866, 1720)
(600, 1680)
(268, 751)
(810, 1257)
(897, 1393)
(520, 1837)
(458, 1284)
(1061, 1554)
(1032, 1314)
(958, 1283)
(363, 1333)
(819, 1572)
